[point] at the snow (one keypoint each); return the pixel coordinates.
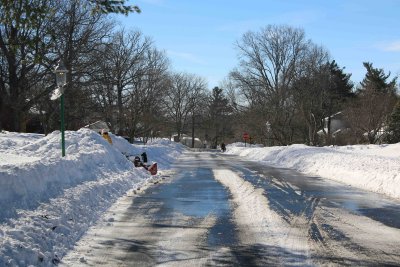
(370, 167)
(48, 202)
(257, 222)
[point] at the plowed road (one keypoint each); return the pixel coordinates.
(219, 210)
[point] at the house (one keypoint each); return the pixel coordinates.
(341, 134)
(338, 124)
(338, 127)
(187, 141)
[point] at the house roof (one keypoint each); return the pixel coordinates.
(335, 116)
(98, 126)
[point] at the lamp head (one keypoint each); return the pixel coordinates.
(61, 74)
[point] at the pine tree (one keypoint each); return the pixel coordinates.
(114, 6)
(340, 85)
(394, 125)
(376, 80)
(218, 111)
(340, 89)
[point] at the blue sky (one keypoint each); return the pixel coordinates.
(199, 36)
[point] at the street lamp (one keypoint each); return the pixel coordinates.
(61, 79)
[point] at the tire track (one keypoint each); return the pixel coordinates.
(259, 225)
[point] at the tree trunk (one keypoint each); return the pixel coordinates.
(22, 122)
(120, 110)
(329, 134)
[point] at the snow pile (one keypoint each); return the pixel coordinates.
(240, 144)
(258, 223)
(372, 167)
(42, 174)
(48, 202)
(9, 139)
(162, 151)
(157, 147)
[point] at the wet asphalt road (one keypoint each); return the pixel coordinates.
(187, 219)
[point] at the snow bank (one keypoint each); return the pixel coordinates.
(25, 183)
(48, 202)
(371, 167)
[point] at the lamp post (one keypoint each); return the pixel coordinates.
(61, 79)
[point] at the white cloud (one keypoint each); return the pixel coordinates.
(186, 56)
(390, 46)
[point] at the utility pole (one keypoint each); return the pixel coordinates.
(192, 122)
(193, 129)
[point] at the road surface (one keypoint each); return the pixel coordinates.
(221, 210)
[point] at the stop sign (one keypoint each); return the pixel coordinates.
(246, 136)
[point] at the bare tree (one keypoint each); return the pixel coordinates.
(143, 107)
(75, 33)
(309, 91)
(367, 115)
(374, 103)
(269, 64)
(184, 90)
(123, 63)
(23, 45)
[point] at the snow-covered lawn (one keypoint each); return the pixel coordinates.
(371, 167)
(48, 202)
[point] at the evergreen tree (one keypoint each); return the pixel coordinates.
(394, 125)
(114, 6)
(340, 85)
(219, 109)
(339, 90)
(376, 80)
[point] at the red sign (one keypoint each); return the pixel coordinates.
(246, 136)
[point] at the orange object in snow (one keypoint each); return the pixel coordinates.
(153, 168)
(106, 136)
